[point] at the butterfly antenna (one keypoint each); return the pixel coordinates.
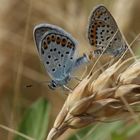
(67, 88)
(31, 85)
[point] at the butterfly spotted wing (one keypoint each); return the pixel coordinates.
(57, 51)
(103, 33)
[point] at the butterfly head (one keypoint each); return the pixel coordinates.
(58, 83)
(52, 85)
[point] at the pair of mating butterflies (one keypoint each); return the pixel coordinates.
(57, 48)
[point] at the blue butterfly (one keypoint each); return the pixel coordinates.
(57, 50)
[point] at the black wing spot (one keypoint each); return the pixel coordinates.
(91, 31)
(56, 59)
(107, 38)
(115, 39)
(47, 63)
(71, 58)
(49, 56)
(108, 26)
(101, 33)
(59, 52)
(62, 55)
(107, 31)
(67, 52)
(53, 70)
(105, 18)
(59, 65)
(51, 50)
(112, 32)
(64, 66)
(54, 49)
(91, 35)
(93, 25)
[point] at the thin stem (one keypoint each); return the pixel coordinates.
(15, 132)
(19, 70)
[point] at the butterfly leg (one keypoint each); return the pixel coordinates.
(67, 88)
(76, 78)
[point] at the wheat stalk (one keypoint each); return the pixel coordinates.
(113, 95)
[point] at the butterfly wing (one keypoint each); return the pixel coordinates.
(103, 32)
(57, 51)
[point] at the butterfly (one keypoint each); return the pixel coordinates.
(57, 50)
(104, 34)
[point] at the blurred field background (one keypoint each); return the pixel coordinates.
(19, 61)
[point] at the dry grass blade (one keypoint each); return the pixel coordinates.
(101, 99)
(15, 132)
(20, 70)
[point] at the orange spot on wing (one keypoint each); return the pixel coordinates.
(45, 46)
(63, 42)
(53, 37)
(58, 39)
(69, 45)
